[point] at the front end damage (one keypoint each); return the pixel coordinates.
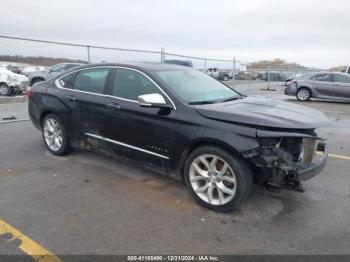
(284, 159)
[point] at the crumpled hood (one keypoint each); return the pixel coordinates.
(265, 112)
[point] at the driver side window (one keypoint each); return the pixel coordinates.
(130, 84)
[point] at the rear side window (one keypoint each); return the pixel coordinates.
(67, 81)
(91, 80)
(341, 79)
(130, 84)
(323, 77)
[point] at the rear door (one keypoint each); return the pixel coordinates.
(83, 93)
(323, 84)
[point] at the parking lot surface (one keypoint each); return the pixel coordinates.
(86, 203)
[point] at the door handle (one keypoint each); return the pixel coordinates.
(113, 106)
(70, 98)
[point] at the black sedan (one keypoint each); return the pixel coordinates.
(181, 123)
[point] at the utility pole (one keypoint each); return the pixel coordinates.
(268, 80)
(234, 69)
(88, 53)
(162, 55)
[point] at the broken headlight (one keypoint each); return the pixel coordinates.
(269, 142)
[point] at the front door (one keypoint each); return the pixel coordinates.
(144, 134)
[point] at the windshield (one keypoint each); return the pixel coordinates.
(195, 87)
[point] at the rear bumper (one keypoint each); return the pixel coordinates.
(290, 90)
(315, 167)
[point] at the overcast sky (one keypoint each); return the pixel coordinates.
(311, 32)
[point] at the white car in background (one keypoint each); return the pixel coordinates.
(11, 83)
(29, 69)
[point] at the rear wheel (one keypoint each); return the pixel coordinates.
(216, 179)
(303, 94)
(55, 136)
(5, 90)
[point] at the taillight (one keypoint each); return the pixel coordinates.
(28, 92)
(291, 82)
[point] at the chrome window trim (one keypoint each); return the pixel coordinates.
(58, 85)
(126, 145)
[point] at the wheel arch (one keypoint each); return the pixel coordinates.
(36, 77)
(305, 87)
(44, 114)
(201, 143)
(47, 112)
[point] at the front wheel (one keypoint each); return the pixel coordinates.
(217, 180)
(55, 136)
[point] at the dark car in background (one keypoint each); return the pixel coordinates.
(182, 123)
(274, 76)
(324, 85)
(245, 76)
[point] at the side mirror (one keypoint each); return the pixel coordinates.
(152, 100)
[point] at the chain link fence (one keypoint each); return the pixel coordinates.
(25, 61)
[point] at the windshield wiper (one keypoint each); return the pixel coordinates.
(230, 99)
(203, 102)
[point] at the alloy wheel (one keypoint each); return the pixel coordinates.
(4, 89)
(53, 134)
(212, 179)
(303, 94)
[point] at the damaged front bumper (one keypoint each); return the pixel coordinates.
(306, 171)
(283, 162)
(318, 164)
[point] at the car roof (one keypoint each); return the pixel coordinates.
(143, 66)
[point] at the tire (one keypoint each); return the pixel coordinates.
(55, 136)
(37, 80)
(303, 94)
(5, 90)
(225, 78)
(235, 183)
